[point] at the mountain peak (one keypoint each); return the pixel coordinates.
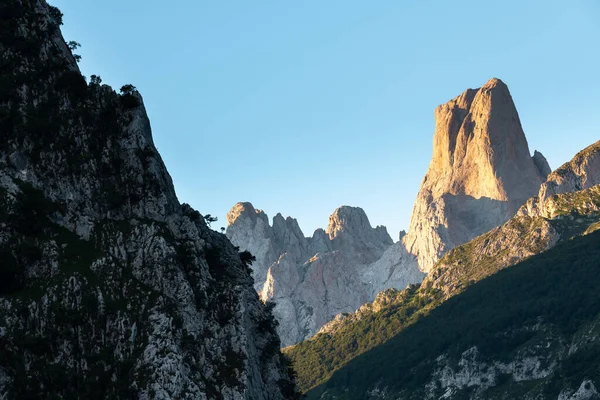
(244, 210)
(480, 173)
(479, 147)
(495, 83)
(347, 219)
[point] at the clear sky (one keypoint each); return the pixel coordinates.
(302, 106)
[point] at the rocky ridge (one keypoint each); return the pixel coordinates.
(581, 172)
(573, 214)
(568, 204)
(313, 279)
(109, 287)
(481, 172)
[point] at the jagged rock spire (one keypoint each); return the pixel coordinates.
(480, 173)
(312, 279)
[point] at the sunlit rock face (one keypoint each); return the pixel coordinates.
(480, 173)
(313, 279)
(109, 287)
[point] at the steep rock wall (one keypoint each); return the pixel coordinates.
(109, 288)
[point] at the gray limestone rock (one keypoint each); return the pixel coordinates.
(313, 279)
(396, 268)
(249, 229)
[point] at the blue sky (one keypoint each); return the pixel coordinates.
(302, 106)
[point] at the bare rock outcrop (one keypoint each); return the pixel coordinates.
(350, 231)
(568, 205)
(312, 279)
(252, 228)
(394, 269)
(581, 172)
(480, 174)
(541, 163)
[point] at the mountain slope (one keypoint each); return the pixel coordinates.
(530, 331)
(568, 204)
(573, 214)
(567, 215)
(581, 172)
(109, 288)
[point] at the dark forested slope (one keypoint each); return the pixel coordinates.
(109, 288)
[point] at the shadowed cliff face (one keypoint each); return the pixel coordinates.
(109, 288)
(480, 173)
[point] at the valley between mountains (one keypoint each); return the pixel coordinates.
(110, 288)
(480, 174)
(485, 204)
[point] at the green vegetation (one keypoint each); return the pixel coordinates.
(209, 219)
(287, 386)
(25, 216)
(56, 15)
(483, 256)
(582, 202)
(592, 228)
(128, 89)
(557, 288)
(73, 45)
(316, 359)
(128, 97)
(95, 80)
(247, 258)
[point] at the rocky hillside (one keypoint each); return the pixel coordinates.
(528, 332)
(566, 216)
(582, 172)
(568, 204)
(480, 173)
(572, 214)
(109, 288)
(313, 279)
